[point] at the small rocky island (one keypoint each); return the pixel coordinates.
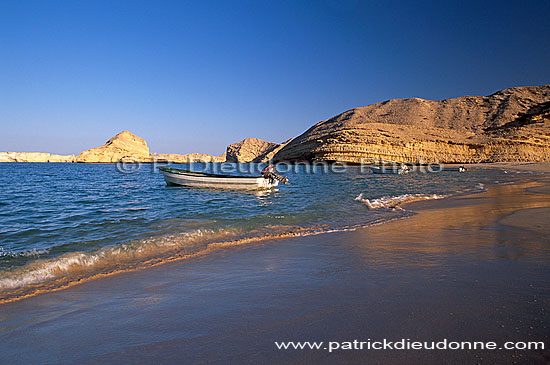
(509, 125)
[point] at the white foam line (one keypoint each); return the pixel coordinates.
(393, 202)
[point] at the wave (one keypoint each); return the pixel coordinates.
(480, 186)
(80, 264)
(50, 274)
(64, 270)
(395, 202)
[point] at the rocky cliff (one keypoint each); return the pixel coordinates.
(128, 147)
(249, 150)
(187, 158)
(123, 146)
(34, 157)
(510, 125)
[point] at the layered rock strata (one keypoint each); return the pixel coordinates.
(510, 125)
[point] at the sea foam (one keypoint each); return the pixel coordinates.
(77, 265)
(394, 202)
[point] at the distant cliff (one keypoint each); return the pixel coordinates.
(187, 158)
(249, 150)
(510, 125)
(34, 157)
(124, 145)
(128, 147)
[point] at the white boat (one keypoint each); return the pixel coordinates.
(390, 170)
(267, 180)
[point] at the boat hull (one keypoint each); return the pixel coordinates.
(241, 183)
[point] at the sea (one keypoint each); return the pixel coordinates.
(62, 223)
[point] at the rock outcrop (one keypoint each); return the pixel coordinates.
(250, 150)
(124, 146)
(34, 157)
(128, 147)
(510, 125)
(187, 158)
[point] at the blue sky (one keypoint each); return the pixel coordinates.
(194, 76)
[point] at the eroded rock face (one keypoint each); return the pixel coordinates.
(124, 146)
(510, 125)
(187, 158)
(250, 150)
(34, 157)
(128, 147)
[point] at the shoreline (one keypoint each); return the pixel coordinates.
(414, 205)
(485, 247)
(533, 167)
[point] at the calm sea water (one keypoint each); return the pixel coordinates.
(64, 222)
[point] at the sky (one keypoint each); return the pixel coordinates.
(195, 76)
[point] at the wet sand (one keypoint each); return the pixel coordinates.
(538, 167)
(471, 268)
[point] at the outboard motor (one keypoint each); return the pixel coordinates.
(270, 173)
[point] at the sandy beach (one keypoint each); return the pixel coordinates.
(538, 167)
(467, 268)
(264, 182)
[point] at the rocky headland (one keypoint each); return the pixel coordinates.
(127, 147)
(509, 125)
(249, 150)
(123, 146)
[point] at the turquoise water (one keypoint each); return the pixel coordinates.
(61, 220)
